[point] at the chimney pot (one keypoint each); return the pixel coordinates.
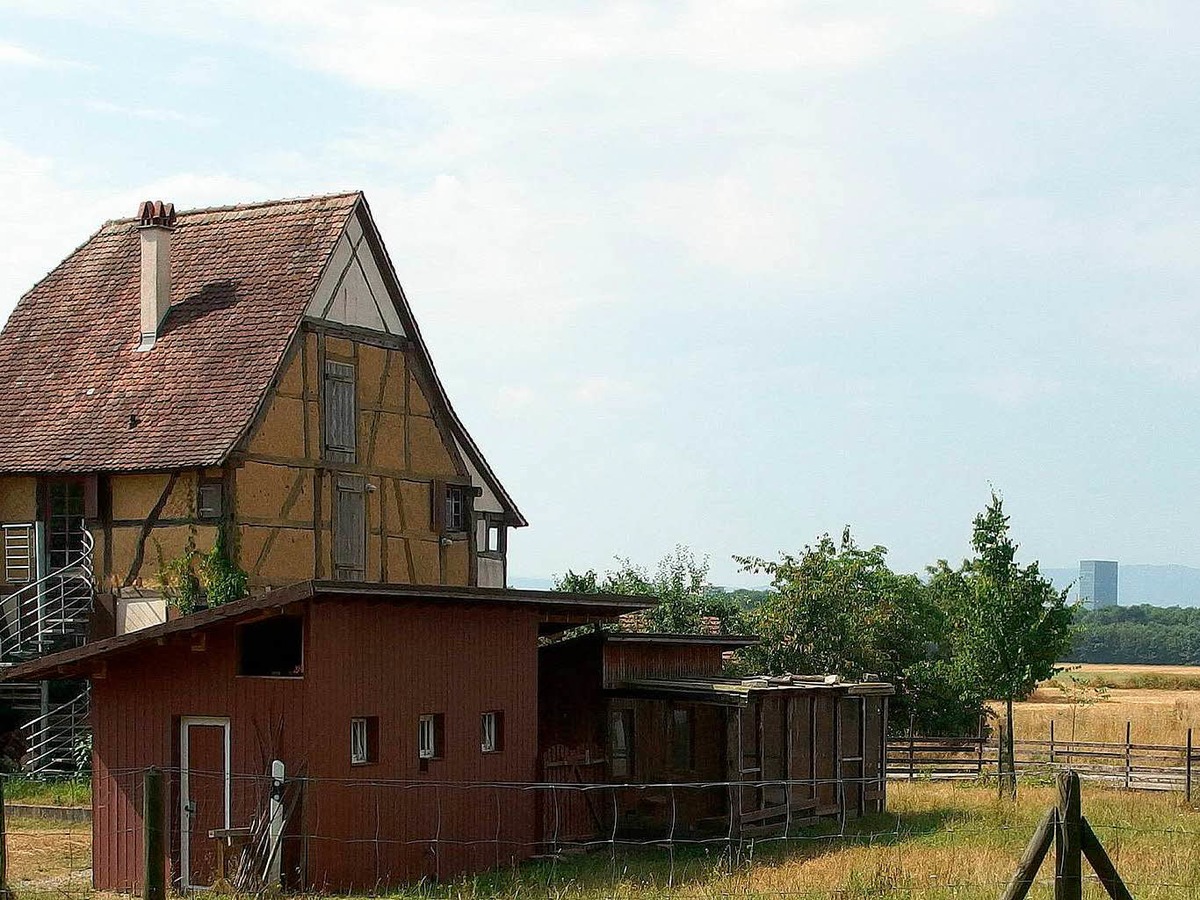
(156, 220)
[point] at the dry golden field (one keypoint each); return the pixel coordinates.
(937, 840)
(1093, 703)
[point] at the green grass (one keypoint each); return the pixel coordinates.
(48, 792)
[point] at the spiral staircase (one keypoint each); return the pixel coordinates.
(44, 616)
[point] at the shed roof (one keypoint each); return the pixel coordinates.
(737, 691)
(556, 606)
(723, 641)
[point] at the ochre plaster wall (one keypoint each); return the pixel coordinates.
(284, 486)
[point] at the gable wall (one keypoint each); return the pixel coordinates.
(284, 486)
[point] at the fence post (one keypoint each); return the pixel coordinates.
(273, 876)
(5, 893)
(1128, 750)
(1051, 742)
(1000, 759)
(154, 883)
(1187, 769)
(911, 769)
(1068, 866)
(980, 736)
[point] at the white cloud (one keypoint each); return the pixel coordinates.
(149, 114)
(14, 55)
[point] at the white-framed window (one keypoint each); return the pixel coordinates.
(359, 746)
(429, 736)
(491, 731)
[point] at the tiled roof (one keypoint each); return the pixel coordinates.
(76, 397)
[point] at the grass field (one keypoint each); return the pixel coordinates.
(1093, 703)
(938, 840)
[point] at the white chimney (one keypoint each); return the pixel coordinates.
(156, 222)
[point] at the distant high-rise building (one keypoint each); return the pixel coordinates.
(1098, 583)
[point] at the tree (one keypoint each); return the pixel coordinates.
(1010, 624)
(837, 608)
(679, 584)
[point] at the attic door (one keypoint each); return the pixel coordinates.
(350, 529)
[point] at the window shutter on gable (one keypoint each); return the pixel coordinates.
(437, 505)
(340, 417)
(350, 529)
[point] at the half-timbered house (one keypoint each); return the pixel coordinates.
(253, 369)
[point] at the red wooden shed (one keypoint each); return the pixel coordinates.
(753, 755)
(403, 716)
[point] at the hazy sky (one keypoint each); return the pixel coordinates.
(727, 274)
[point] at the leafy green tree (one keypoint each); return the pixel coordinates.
(837, 608)
(679, 583)
(1010, 625)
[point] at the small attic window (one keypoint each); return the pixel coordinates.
(272, 648)
(209, 500)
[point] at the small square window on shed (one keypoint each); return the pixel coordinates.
(272, 648)
(430, 736)
(364, 740)
(491, 731)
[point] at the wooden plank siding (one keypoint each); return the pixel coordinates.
(361, 659)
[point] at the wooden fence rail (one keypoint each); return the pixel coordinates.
(1146, 767)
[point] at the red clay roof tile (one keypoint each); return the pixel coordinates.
(76, 397)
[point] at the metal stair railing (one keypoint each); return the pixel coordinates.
(52, 613)
(53, 739)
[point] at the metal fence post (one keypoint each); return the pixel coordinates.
(154, 882)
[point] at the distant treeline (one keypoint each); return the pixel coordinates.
(1138, 634)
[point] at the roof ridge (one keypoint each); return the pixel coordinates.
(239, 207)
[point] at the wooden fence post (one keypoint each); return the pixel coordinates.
(1065, 826)
(911, 772)
(1051, 742)
(5, 893)
(1068, 866)
(1031, 861)
(1000, 760)
(154, 882)
(1128, 750)
(1187, 769)
(979, 765)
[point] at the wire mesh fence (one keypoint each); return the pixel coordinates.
(582, 840)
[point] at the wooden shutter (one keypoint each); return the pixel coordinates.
(340, 419)
(437, 507)
(350, 529)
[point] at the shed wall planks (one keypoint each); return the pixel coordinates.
(361, 659)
